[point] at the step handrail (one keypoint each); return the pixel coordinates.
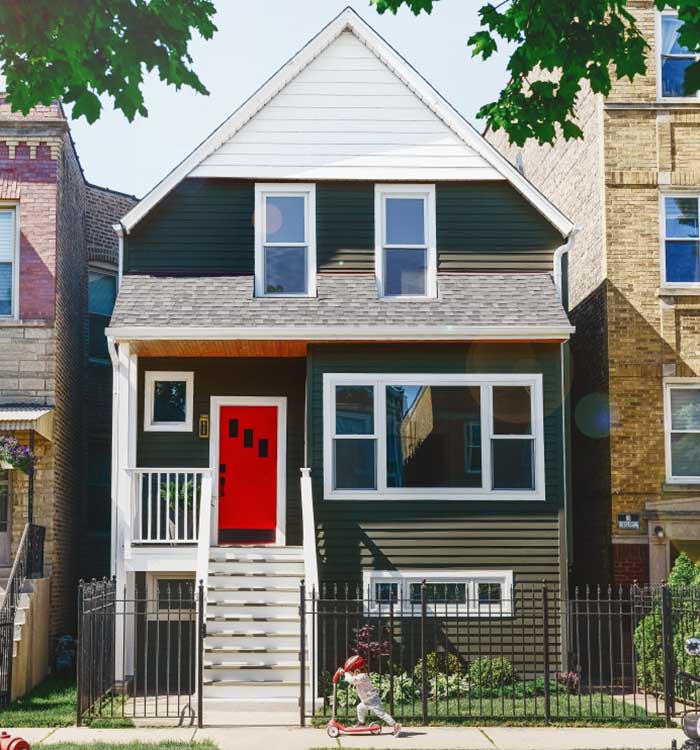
(308, 521)
(28, 563)
(204, 530)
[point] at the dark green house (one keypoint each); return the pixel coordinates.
(340, 353)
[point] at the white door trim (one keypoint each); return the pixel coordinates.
(281, 403)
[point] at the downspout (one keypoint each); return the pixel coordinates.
(558, 260)
(115, 451)
(120, 232)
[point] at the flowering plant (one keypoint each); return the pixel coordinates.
(16, 454)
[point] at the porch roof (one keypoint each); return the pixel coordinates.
(15, 417)
(478, 305)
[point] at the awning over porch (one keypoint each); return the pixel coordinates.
(475, 306)
(14, 417)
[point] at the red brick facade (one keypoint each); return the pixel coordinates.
(630, 563)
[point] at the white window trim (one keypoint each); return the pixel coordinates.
(379, 381)
(427, 192)
(662, 236)
(150, 378)
(14, 313)
(659, 76)
(154, 612)
(669, 385)
(286, 189)
(405, 577)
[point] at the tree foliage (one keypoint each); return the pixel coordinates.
(559, 45)
(76, 50)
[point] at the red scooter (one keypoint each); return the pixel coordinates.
(334, 727)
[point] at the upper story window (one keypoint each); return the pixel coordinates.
(102, 293)
(285, 240)
(433, 437)
(9, 266)
(168, 401)
(683, 431)
(681, 227)
(405, 261)
(674, 58)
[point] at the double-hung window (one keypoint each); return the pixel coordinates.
(405, 259)
(673, 58)
(681, 229)
(433, 436)
(683, 431)
(8, 262)
(285, 240)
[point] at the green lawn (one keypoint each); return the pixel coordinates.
(51, 704)
(602, 710)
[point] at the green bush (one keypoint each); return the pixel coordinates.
(648, 640)
(405, 690)
(490, 673)
(449, 686)
(438, 663)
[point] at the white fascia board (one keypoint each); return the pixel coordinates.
(341, 333)
(349, 20)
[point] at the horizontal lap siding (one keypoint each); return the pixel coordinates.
(345, 226)
(202, 226)
(522, 536)
(230, 377)
(490, 226)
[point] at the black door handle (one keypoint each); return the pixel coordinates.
(222, 485)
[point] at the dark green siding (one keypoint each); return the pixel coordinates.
(202, 226)
(523, 536)
(345, 226)
(230, 377)
(489, 225)
(206, 226)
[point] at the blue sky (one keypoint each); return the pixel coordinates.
(253, 40)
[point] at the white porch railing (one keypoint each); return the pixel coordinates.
(309, 531)
(166, 504)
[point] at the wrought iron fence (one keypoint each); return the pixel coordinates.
(139, 654)
(450, 654)
(28, 563)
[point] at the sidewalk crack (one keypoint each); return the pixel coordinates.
(487, 737)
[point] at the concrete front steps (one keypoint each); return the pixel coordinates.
(251, 651)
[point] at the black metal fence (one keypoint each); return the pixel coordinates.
(28, 563)
(447, 653)
(140, 655)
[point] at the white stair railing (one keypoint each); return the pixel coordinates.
(309, 532)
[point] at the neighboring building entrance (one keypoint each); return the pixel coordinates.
(248, 482)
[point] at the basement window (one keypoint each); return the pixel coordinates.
(472, 593)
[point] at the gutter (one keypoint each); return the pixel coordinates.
(343, 333)
(559, 254)
(115, 452)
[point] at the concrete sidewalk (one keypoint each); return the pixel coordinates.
(416, 738)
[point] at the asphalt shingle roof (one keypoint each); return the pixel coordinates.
(474, 299)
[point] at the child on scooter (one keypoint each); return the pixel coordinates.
(355, 673)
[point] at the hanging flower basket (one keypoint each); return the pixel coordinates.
(14, 455)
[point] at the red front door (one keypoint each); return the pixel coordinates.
(247, 474)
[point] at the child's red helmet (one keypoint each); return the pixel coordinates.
(353, 663)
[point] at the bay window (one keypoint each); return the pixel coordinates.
(405, 240)
(285, 240)
(681, 227)
(433, 436)
(683, 431)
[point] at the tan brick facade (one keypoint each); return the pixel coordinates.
(636, 334)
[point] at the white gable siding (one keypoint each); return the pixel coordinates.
(346, 116)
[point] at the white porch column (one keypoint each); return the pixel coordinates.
(125, 417)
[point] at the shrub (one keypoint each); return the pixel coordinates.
(569, 682)
(449, 686)
(405, 690)
(438, 663)
(371, 648)
(490, 673)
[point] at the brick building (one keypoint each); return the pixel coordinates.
(632, 184)
(56, 250)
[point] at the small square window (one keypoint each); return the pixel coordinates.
(386, 592)
(168, 401)
(489, 593)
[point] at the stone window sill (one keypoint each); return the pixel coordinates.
(13, 323)
(678, 291)
(686, 487)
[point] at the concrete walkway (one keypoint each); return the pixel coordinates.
(417, 738)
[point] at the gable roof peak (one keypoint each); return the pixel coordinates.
(348, 19)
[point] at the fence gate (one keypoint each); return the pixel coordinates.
(140, 656)
(450, 653)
